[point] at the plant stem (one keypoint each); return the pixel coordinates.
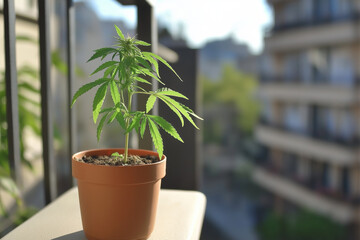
(126, 152)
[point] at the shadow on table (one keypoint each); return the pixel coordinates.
(72, 236)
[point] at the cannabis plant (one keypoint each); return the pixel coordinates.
(128, 67)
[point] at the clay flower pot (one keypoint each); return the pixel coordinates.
(118, 202)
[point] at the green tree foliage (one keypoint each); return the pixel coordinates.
(299, 226)
(237, 90)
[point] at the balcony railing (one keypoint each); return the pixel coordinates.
(281, 79)
(315, 21)
(322, 151)
(146, 30)
(312, 184)
(340, 211)
(316, 134)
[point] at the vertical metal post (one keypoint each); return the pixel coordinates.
(12, 112)
(46, 106)
(146, 31)
(70, 22)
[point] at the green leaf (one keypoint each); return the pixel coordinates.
(119, 33)
(107, 110)
(147, 72)
(173, 109)
(99, 100)
(143, 127)
(109, 70)
(166, 126)
(152, 61)
(28, 71)
(115, 95)
(150, 103)
(191, 112)
(121, 120)
(163, 61)
(144, 63)
(103, 66)
(116, 154)
(87, 87)
(135, 122)
(169, 92)
(101, 52)
(139, 79)
(156, 137)
(112, 117)
(26, 39)
(100, 126)
(28, 87)
(179, 107)
(142, 43)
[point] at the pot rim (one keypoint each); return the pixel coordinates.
(117, 175)
(83, 152)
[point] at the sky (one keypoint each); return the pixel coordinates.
(201, 21)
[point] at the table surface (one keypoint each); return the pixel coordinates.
(180, 216)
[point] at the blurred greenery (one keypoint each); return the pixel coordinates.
(236, 90)
(29, 118)
(299, 226)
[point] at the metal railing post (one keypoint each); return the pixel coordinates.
(46, 102)
(70, 22)
(12, 112)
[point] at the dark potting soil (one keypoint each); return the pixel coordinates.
(119, 160)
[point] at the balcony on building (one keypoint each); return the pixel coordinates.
(320, 148)
(302, 24)
(336, 209)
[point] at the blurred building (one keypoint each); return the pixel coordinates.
(215, 54)
(310, 119)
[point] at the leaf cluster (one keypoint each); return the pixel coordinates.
(125, 68)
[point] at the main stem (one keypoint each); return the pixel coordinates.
(126, 152)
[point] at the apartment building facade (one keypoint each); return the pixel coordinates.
(310, 125)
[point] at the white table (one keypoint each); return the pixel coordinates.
(180, 216)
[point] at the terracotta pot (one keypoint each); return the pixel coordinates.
(118, 203)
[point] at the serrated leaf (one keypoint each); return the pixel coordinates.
(174, 110)
(87, 87)
(109, 70)
(191, 112)
(120, 118)
(106, 110)
(115, 95)
(99, 100)
(144, 63)
(139, 79)
(112, 117)
(150, 103)
(119, 33)
(103, 66)
(164, 62)
(169, 92)
(156, 137)
(153, 62)
(143, 127)
(142, 43)
(100, 126)
(101, 52)
(150, 74)
(166, 126)
(135, 122)
(179, 107)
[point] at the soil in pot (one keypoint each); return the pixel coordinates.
(118, 160)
